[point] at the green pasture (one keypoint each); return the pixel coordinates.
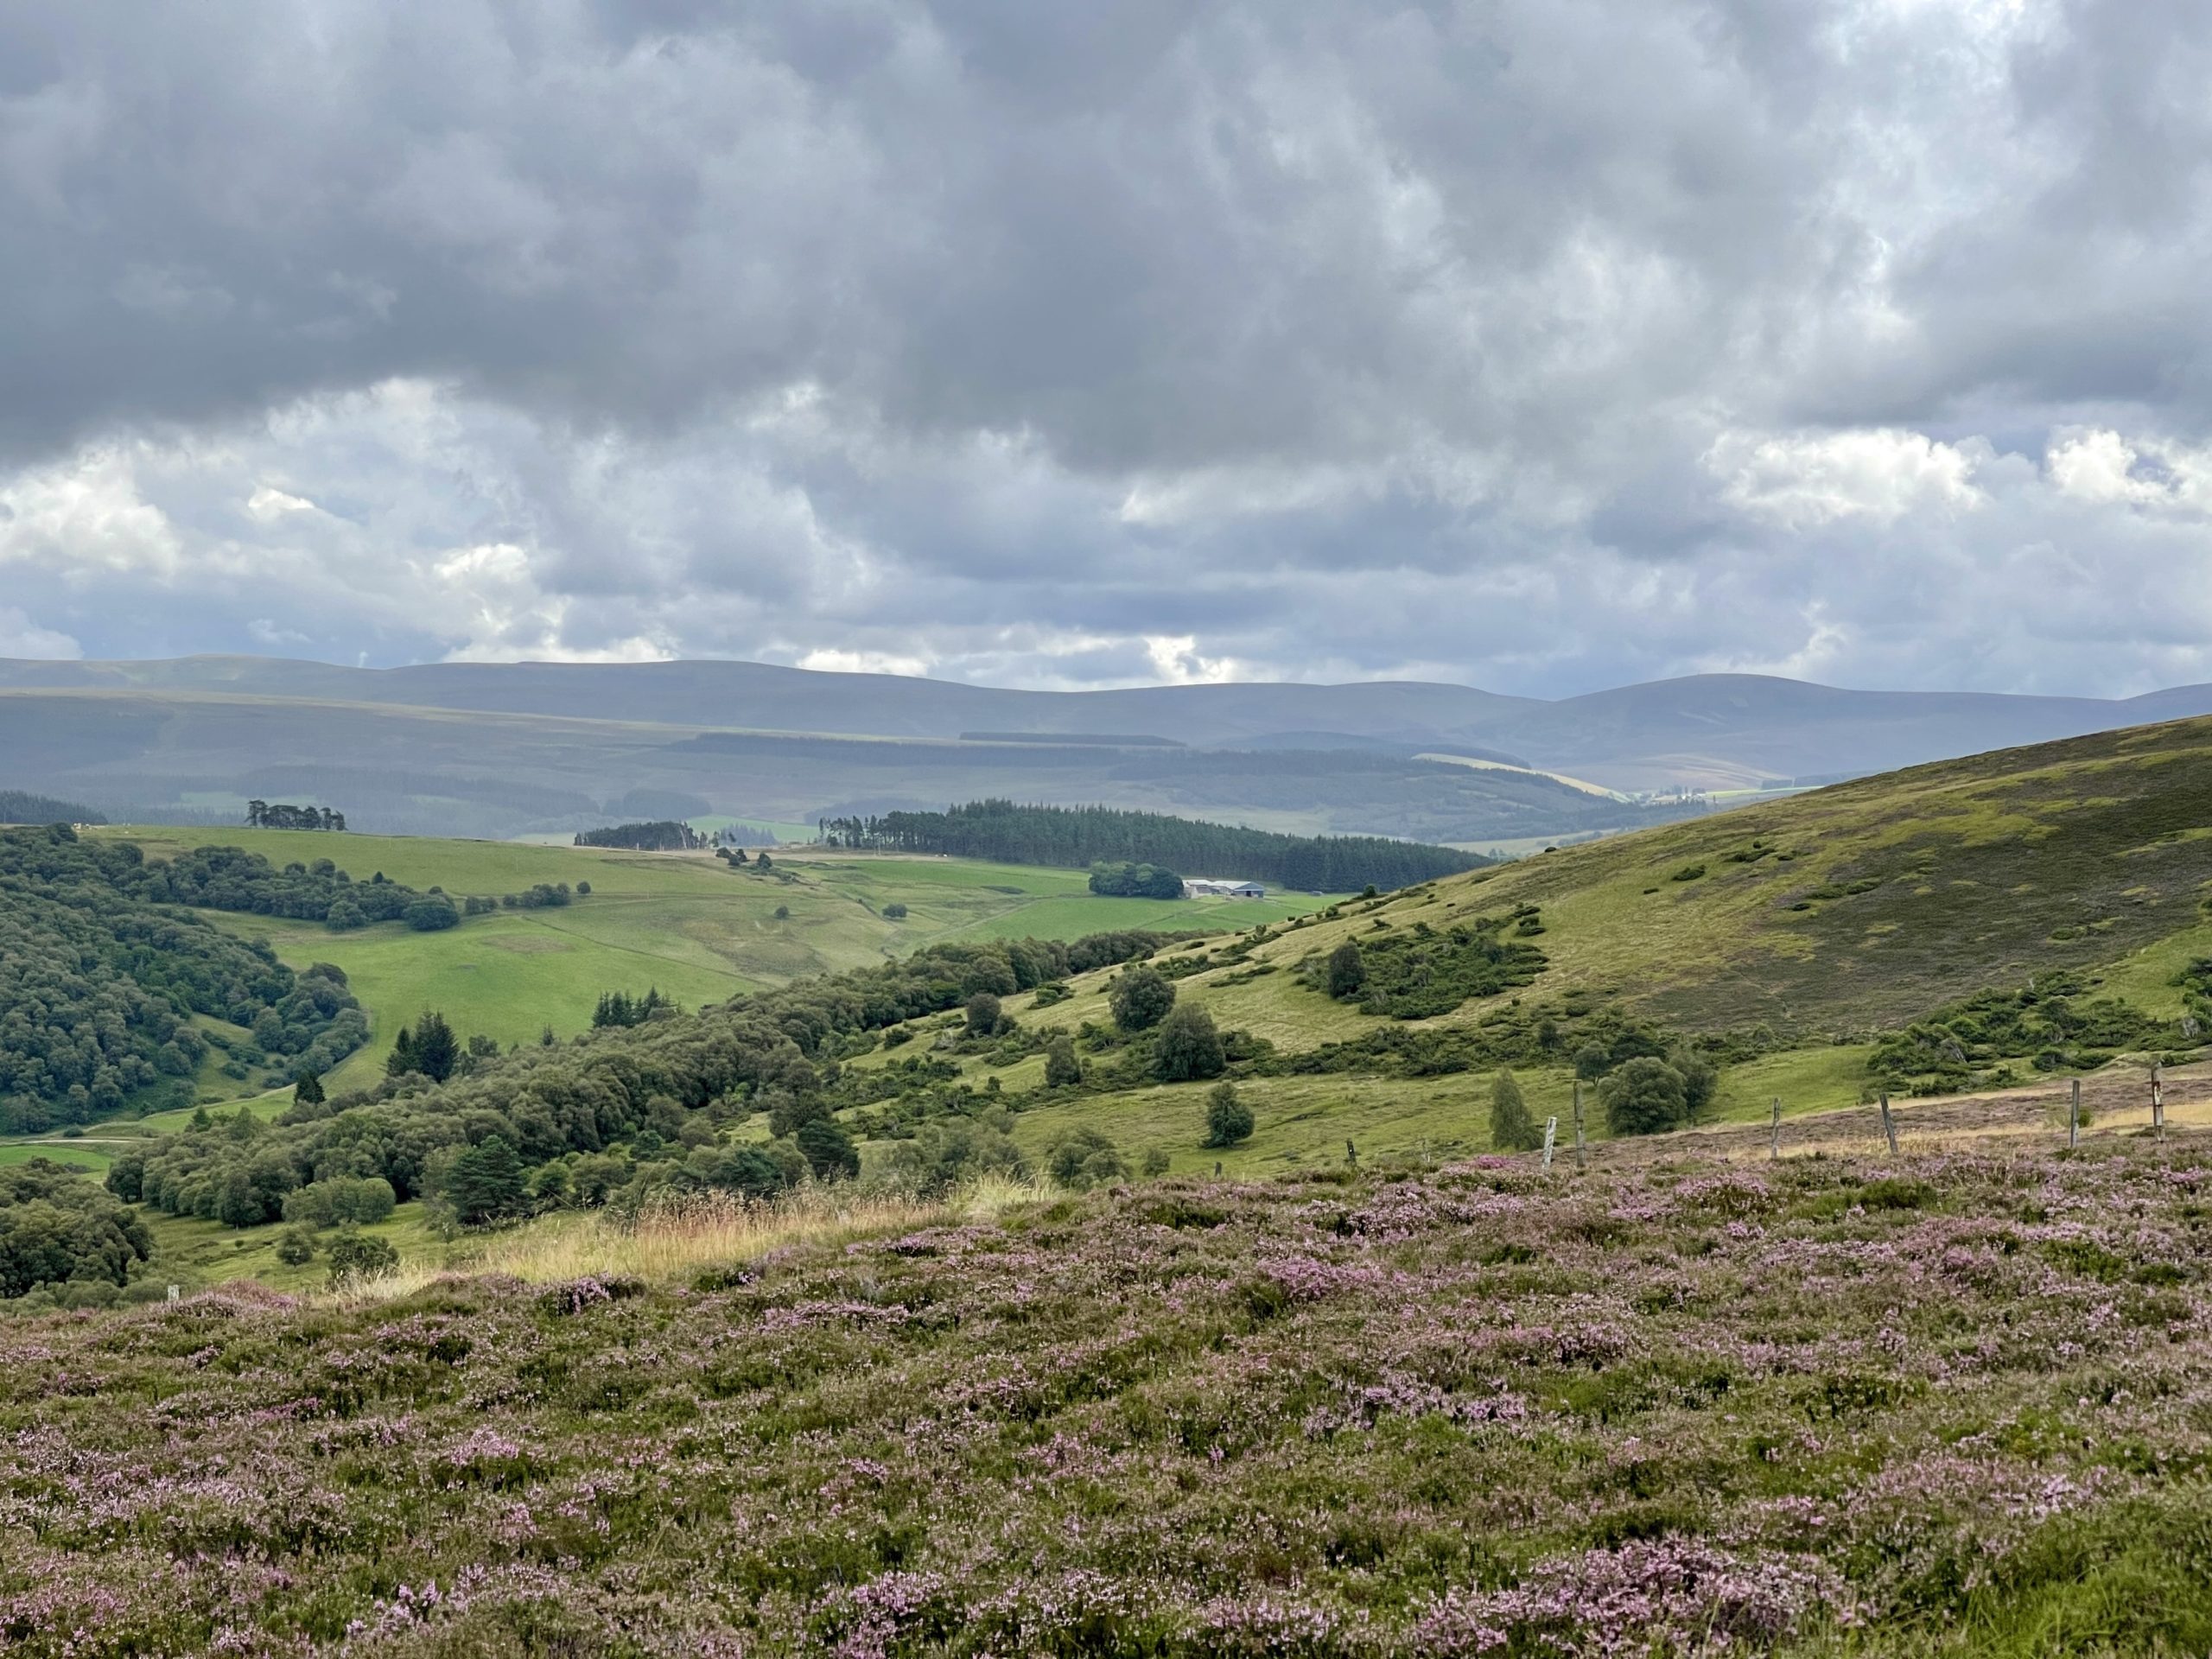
(194, 1253)
(1301, 1123)
(696, 929)
(91, 1156)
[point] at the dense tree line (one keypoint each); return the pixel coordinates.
(617, 1109)
(662, 836)
(230, 878)
(57, 1228)
(17, 806)
(265, 815)
(1078, 838)
(98, 985)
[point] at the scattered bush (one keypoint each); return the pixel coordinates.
(1140, 999)
(355, 1257)
(1511, 1128)
(1083, 1158)
(1062, 1068)
(1187, 1047)
(1644, 1096)
(1228, 1120)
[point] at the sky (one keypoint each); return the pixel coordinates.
(1536, 345)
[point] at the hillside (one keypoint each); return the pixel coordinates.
(685, 924)
(1803, 946)
(174, 756)
(716, 1331)
(1706, 731)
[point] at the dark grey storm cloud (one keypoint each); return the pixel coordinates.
(1539, 343)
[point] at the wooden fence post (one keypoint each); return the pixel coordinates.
(1775, 1152)
(1551, 1134)
(2157, 1099)
(2074, 1116)
(1889, 1124)
(1581, 1150)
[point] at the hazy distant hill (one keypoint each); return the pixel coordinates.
(497, 748)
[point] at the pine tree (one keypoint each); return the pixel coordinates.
(437, 1050)
(401, 1059)
(307, 1090)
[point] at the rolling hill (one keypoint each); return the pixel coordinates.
(394, 768)
(1970, 923)
(1704, 731)
(683, 924)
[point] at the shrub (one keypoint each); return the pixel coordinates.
(295, 1247)
(829, 1151)
(984, 1014)
(356, 1256)
(1156, 1160)
(1083, 1158)
(1644, 1097)
(1347, 969)
(783, 911)
(1062, 1068)
(428, 915)
(1511, 1128)
(894, 911)
(1188, 1048)
(341, 1200)
(1228, 1120)
(1140, 999)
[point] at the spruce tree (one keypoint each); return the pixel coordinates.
(437, 1050)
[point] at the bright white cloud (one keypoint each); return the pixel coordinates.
(2100, 466)
(834, 661)
(86, 518)
(1803, 481)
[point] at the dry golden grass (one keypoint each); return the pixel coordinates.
(673, 1239)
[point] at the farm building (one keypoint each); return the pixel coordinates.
(1201, 888)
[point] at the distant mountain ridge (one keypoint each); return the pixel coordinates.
(1711, 731)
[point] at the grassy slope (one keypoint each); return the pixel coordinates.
(2094, 853)
(685, 923)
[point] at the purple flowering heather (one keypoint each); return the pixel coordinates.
(1961, 1398)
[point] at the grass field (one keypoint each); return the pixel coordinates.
(686, 924)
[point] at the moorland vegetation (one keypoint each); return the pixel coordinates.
(1952, 1403)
